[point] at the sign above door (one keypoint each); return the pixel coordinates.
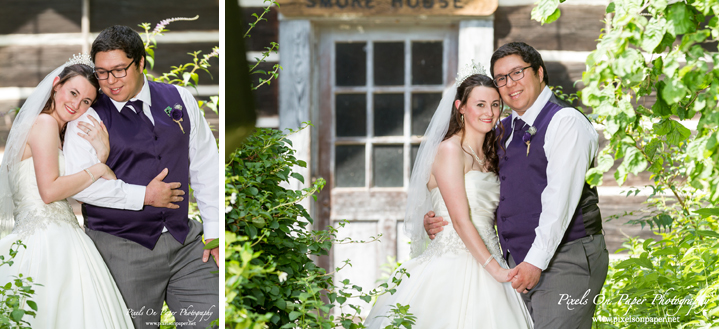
(371, 8)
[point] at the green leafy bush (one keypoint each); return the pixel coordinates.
(657, 49)
(16, 295)
(271, 279)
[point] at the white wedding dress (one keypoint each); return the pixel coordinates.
(447, 287)
(77, 289)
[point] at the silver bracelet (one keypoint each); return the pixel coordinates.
(91, 175)
(487, 262)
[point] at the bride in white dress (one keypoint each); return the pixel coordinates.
(460, 280)
(77, 289)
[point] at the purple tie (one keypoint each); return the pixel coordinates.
(519, 128)
(137, 106)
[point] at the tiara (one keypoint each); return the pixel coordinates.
(80, 59)
(470, 69)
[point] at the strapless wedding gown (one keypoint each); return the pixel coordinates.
(447, 287)
(77, 289)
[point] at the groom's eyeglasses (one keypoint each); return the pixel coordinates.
(117, 73)
(516, 75)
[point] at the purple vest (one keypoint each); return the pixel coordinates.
(523, 179)
(138, 153)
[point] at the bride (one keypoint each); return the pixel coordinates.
(461, 279)
(75, 287)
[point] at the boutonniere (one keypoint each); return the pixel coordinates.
(175, 113)
(527, 138)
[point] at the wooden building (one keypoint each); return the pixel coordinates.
(37, 36)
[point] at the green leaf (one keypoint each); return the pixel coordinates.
(544, 10)
(32, 305)
(294, 315)
(17, 315)
(553, 17)
(674, 91)
(678, 134)
(708, 233)
(681, 19)
(298, 177)
(215, 243)
(663, 127)
(654, 33)
(151, 61)
(594, 177)
(652, 148)
(706, 212)
(610, 8)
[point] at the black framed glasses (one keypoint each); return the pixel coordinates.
(117, 73)
(516, 75)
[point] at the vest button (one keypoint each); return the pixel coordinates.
(504, 219)
(504, 177)
(501, 199)
(505, 158)
(159, 157)
(156, 137)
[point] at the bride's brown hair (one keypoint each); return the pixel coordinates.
(456, 125)
(69, 72)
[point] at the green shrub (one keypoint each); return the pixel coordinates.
(271, 279)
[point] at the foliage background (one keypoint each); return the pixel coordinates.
(650, 72)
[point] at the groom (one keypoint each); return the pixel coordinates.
(139, 223)
(548, 221)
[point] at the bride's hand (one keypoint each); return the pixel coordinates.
(497, 272)
(96, 134)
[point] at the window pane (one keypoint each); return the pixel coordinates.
(427, 63)
(413, 155)
(351, 64)
(349, 166)
(423, 107)
(387, 165)
(388, 114)
(389, 63)
(351, 114)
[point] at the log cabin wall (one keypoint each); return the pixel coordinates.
(36, 36)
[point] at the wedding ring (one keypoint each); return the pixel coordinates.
(87, 131)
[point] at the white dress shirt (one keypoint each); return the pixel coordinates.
(204, 161)
(571, 144)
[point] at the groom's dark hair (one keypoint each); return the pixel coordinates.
(119, 37)
(528, 54)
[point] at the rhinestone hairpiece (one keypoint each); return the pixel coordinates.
(468, 70)
(81, 59)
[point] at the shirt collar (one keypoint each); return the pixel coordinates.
(533, 111)
(143, 95)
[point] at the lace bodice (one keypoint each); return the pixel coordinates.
(31, 212)
(483, 196)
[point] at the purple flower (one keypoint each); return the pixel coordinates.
(528, 134)
(176, 114)
(527, 137)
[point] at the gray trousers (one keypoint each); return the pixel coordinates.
(564, 296)
(171, 272)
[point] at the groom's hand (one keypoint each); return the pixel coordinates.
(433, 225)
(525, 276)
(162, 195)
(215, 252)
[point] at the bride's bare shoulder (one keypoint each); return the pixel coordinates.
(45, 121)
(450, 147)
